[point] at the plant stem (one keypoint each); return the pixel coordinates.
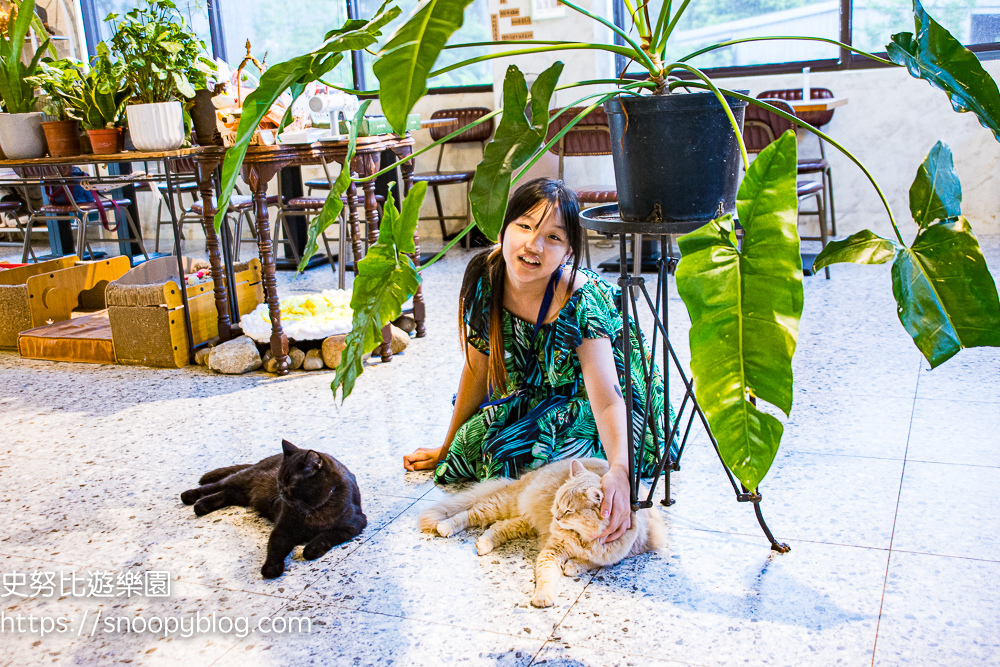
(653, 70)
(661, 48)
(808, 39)
(821, 135)
(448, 247)
(722, 100)
(660, 22)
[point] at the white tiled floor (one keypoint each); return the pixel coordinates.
(885, 488)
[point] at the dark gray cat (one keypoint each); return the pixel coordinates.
(311, 497)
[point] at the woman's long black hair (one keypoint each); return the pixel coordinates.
(491, 263)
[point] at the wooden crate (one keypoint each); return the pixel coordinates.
(147, 313)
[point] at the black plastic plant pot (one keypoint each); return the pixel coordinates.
(676, 156)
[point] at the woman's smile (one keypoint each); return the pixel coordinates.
(535, 244)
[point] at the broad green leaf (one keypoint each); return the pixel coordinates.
(515, 141)
(386, 278)
(409, 55)
(279, 78)
(334, 203)
(861, 248)
(745, 305)
(946, 296)
(936, 193)
(937, 57)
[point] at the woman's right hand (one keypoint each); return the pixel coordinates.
(422, 459)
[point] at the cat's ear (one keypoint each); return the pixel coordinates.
(313, 462)
(595, 495)
(288, 448)
(576, 468)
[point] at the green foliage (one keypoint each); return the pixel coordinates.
(386, 279)
(163, 59)
(406, 60)
(517, 139)
(62, 83)
(745, 304)
(945, 294)
(333, 205)
(281, 77)
(104, 93)
(940, 59)
(17, 93)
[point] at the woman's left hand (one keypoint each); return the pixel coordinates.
(616, 503)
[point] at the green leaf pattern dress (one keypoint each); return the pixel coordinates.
(551, 418)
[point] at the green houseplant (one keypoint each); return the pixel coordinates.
(60, 80)
(943, 295)
(162, 65)
(103, 96)
(20, 127)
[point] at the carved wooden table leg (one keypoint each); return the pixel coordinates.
(366, 165)
(206, 188)
(257, 177)
(352, 223)
(419, 309)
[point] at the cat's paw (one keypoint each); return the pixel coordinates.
(574, 567)
(312, 551)
(446, 528)
(544, 597)
(272, 570)
(484, 545)
(201, 508)
(189, 497)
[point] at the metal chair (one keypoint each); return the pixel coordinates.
(11, 210)
(437, 178)
(241, 206)
(760, 128)
(816, 119)
(591, 136)
(185, 183)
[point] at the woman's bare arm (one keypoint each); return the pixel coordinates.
(600, 376)
(471, 394)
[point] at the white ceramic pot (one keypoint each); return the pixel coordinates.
(21, 135)
(156, 127)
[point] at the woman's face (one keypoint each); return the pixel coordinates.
(534, 246)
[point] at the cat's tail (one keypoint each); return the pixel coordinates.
(432, 516)
(656, 536)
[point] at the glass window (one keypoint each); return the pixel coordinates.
(970, 21)
(475, 28)
(195, 14)
(282, 30)
(707, 22)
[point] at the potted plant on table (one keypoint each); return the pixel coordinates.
(163, 64)
(20, 127)
(61, 81)
(945, 295)
(103, 94)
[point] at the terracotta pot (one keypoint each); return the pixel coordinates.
(62, 136)
(105, 142)
(156, 127)
(21, 135)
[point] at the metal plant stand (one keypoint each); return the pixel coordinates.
(606, 220)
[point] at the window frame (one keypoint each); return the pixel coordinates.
(846, 61)
(92, 22)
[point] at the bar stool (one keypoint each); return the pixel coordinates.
(11, 210)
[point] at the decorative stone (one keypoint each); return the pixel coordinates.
(400, 339)
(296, 357)
(333, 348)
(235, 357)
(313, 360)
(406, 323)
(270, 363)
(201, 356)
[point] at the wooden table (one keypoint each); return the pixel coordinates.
(817, 104)
(261, 164)
(90, 158)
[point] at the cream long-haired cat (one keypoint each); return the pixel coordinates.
(561, 504)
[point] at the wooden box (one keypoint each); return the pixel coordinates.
(147, 313)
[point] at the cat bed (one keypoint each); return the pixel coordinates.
(49, 292)
(85, 338)
(146, 311)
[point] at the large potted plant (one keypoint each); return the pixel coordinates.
(61, 81)
(20, 127)
(946, 297)
(163, 66)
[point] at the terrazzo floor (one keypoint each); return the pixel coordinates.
(885, 488)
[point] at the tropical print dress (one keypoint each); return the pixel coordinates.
(551, 417)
